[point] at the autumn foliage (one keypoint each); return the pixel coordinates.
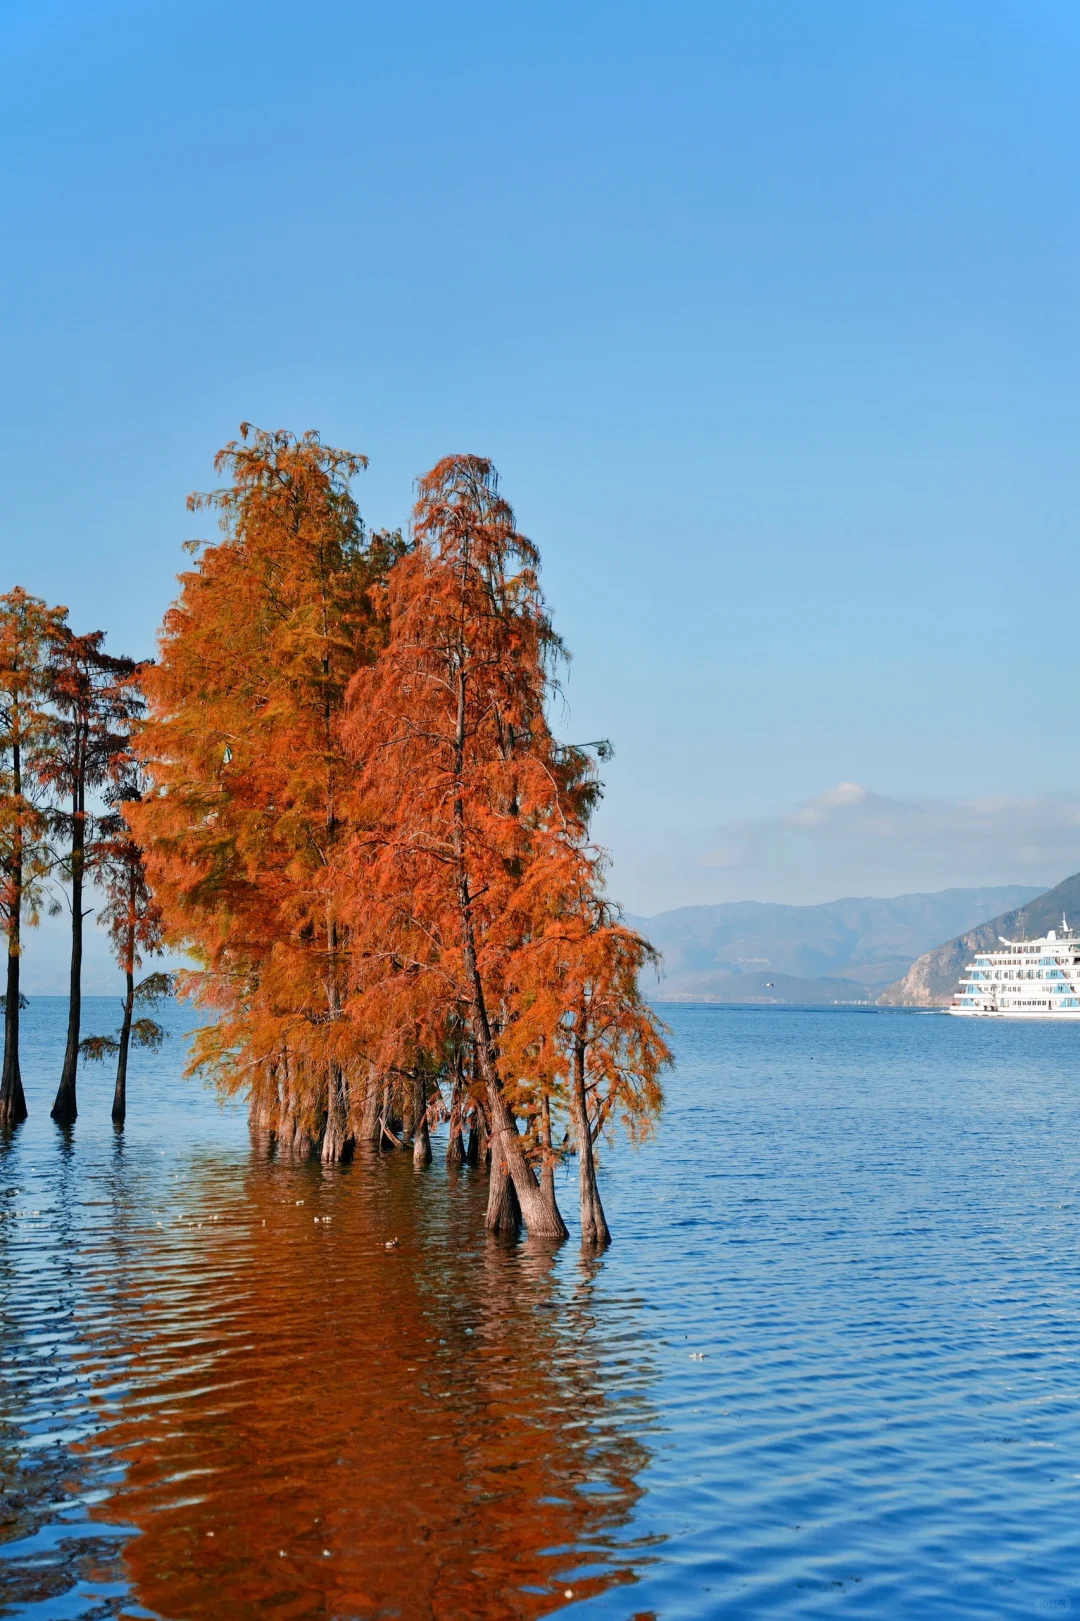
(66, 712)
(244, 754)
(360, 827)
(469, 867)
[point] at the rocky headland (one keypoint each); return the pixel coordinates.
(932, 978)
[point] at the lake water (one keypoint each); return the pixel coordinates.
(829, 1367)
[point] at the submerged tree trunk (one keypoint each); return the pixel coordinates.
(263, 1116)
(595, 1233)
(119, 1102)
(65, 1107)
(477, 1150)
(336, 1142)
(455, 1147)
(370, 1129)
(293, 1141)
(547, 1168)
(541, 1217)
(408, 1109)
(503, 1208)
(390, 1124)
(387, 1137)
(12, 1097)
(421, 1154)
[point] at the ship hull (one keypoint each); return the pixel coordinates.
(1058, 1017)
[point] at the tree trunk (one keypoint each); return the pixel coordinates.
(262, 1116)
(547, 1168)
(336, 1142)
(541, 1218)
(408, 1108)
(455, 1147)
(370, 1130)
(421, 1154)
(65, 1107)
(293, 1142)
(119, 1102)
(594, 1228)
(540, 1215)
(12, 1097)
(391, 1125)
(503, 1209)
(477, 1149)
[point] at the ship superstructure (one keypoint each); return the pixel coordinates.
(1024, 979)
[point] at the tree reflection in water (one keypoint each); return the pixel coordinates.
(312, 1423)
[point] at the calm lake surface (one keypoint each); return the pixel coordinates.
(830, 1365)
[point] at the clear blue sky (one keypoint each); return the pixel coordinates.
(768, 313)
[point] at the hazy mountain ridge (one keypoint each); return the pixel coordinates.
(933, 977)
(778, 988)
(868, 941)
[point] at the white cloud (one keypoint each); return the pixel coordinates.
(850, 840)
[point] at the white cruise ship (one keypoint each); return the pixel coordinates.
(1024, 979)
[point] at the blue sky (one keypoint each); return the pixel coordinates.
(768, 314)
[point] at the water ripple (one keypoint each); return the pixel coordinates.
(831, 1362)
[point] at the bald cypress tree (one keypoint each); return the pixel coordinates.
(27, 628)
(471, 844)
(243, 753)
(93, 701)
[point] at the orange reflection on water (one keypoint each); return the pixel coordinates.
(311, 1423)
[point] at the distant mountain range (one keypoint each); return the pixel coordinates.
(932, 979)
(839, 951)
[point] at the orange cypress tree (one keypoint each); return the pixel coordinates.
(583, 1026)
(471, 824)
(27, 628)
(454, 762)
(243, 751)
